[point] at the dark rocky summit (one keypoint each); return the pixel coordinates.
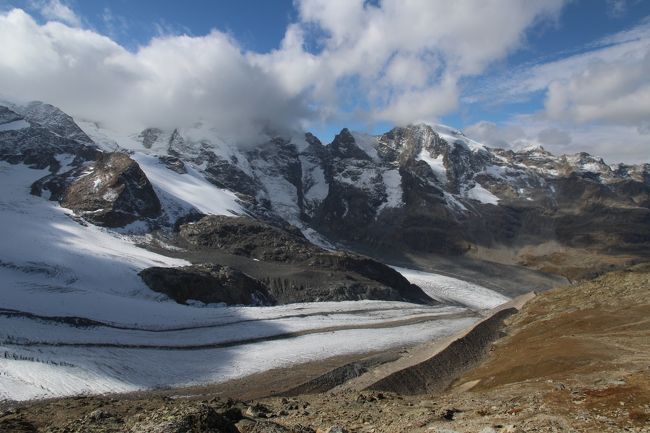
(39, 146)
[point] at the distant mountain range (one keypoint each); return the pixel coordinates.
(417, 189)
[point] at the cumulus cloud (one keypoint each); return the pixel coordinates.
(613, 92)
(596, 99)
(614, 143)
(405, 58)
(397, 61)
(625, 47)
(503, 136)
(55, 10)
(172, 81)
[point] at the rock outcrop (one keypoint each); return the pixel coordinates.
(208, 284)
(294, 269)
(111, 191)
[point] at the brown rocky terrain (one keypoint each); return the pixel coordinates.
(112, 192)
(574, 359)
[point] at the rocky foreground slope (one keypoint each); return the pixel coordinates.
(575, 359)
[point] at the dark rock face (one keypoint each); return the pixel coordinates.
(7, 116)
(112, 191)
(115, 193)
(173, 163)
(208, 284)
(415, 189)
(55, 120)
(345, 146)
(40, 147)
(149, 136)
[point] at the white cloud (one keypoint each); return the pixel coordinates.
(170, 82)
(405, 58)
(615, 92)
(399, 61)
(55, 10)
(597, 97)
(503, 136)
(614, 143)
(617, 8)
(554, 137)
(520, 82)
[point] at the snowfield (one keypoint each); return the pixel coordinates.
(190, 190)
(454, 291)
(56, 272)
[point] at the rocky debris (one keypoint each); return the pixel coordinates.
(449, 414)
(112, 191)
(258, 410)
(333, 429)
(207, 283)
(201, 419)
(159, 414)
(17, 426)
(341, 375)
(248, 426)
(435, 374)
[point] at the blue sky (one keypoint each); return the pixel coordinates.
(503, 73)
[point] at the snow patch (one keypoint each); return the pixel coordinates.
(453, 135)
(448, 289)
(15, 125)
(393, 185)
(478, 193)
(367, 143)
(190, 188)
(437, 164)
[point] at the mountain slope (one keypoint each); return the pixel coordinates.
(429, 189)
(124, 246)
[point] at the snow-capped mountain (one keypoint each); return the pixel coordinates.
(121, 250)
(417, 188)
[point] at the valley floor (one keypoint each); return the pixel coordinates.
(574, 359)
